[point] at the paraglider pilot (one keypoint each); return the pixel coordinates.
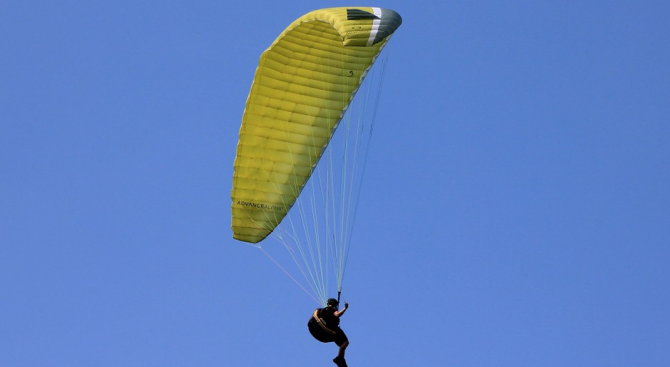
(324, 325)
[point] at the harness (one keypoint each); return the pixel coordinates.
(322, 323)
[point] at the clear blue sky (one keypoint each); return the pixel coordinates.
(516, 209)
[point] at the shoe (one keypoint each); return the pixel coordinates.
(340, 362)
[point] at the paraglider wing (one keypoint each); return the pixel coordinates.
(303, 84)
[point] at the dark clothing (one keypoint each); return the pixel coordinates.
(328, 315)
(325, 326)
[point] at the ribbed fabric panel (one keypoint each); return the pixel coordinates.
(302, 86)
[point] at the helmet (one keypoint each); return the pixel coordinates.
(332, 302)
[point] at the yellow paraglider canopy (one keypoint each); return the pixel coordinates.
(303, 85)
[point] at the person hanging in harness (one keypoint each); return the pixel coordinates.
(324, 325)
